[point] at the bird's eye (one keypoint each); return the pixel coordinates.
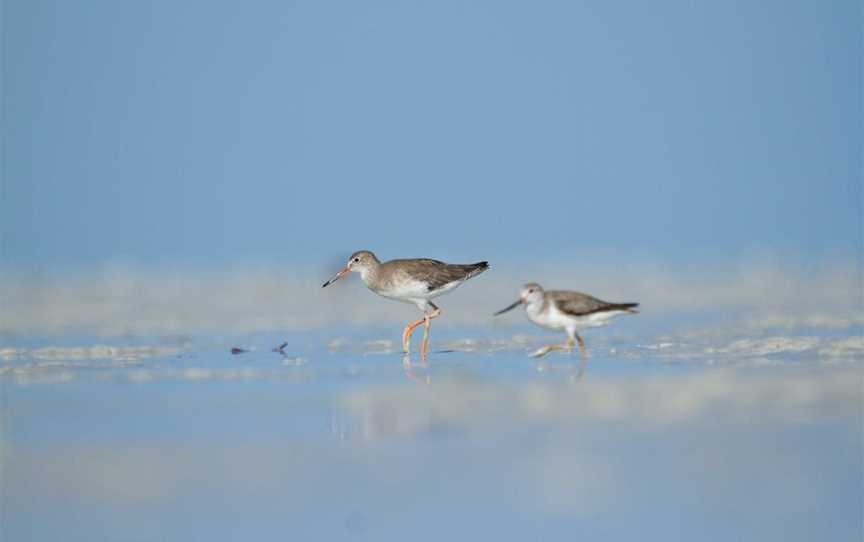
(356, 260)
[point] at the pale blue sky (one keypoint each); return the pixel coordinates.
(210, 133)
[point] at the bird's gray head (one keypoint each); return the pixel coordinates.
(360, 262)
(530, 294)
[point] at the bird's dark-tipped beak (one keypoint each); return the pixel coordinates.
(336, 277)
(510, 308)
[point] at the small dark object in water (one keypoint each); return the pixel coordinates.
(281, 348)
(236, 350)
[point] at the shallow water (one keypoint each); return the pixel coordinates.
(674, 437)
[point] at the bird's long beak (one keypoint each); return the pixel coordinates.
(511, 307)
(336, 277)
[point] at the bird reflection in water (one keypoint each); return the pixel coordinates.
(411, 370)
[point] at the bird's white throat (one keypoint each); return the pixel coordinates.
(535, 307)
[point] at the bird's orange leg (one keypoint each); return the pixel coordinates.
(406, 334)
(583, 359)
(427, 319)
(582, 349)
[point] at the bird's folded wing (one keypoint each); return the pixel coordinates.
(577, 303)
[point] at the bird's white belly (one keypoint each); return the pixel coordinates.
(552, 318)
(403, 291)
(599, 318)
(444, 289)
(408, 291)
(413, 290)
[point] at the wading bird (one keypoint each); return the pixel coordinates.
(416, 281)
(561, 309)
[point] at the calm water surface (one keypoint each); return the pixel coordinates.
(660, 439)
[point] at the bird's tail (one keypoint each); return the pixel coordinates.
(629, 307)
(474, 269)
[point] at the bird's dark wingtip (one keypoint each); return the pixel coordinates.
(477, 268)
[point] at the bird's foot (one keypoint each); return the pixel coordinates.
(539, 353)
(549, 348)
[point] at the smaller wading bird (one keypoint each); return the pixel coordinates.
(561, 309)
(415, 281)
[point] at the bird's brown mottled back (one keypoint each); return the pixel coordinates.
(434, 273)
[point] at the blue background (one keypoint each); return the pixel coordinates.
(208, 133)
